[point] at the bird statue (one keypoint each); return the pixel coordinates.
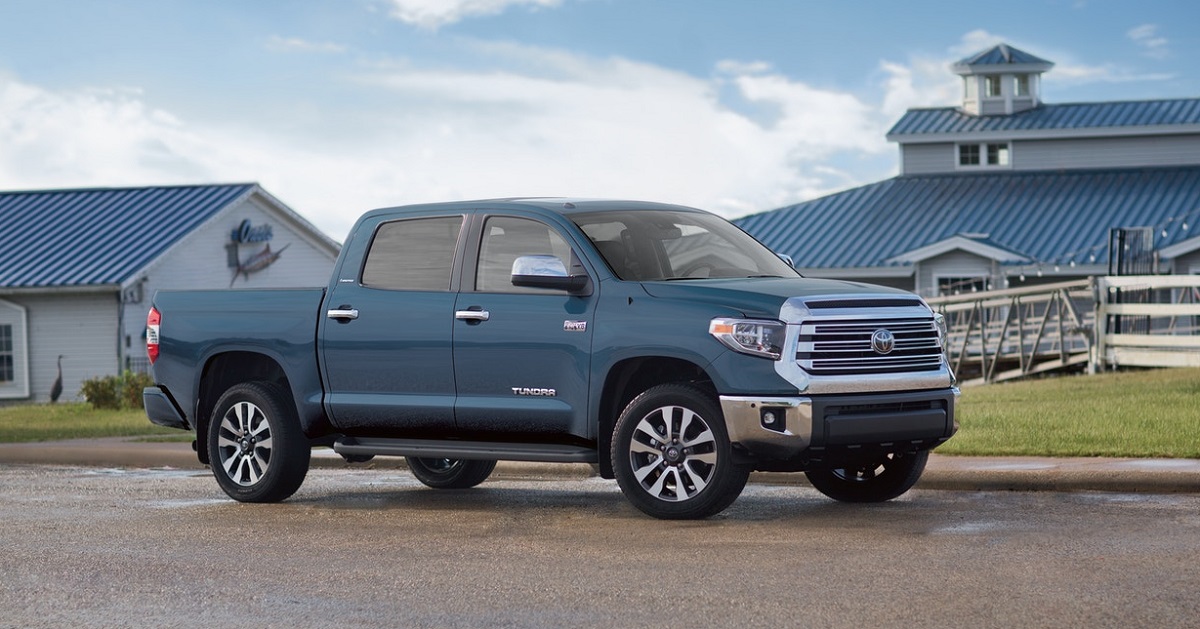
(56, 388)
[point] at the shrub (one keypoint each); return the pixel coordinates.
(116, 392)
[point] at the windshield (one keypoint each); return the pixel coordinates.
(648, 245)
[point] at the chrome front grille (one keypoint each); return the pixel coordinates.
(837, 347)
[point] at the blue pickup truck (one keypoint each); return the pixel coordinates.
(658, 342)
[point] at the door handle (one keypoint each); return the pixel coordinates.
(472, 315)
(343, 314)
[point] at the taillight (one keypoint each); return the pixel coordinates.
(153, 321)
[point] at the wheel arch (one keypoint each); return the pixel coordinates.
(628, 378)
(224, 370)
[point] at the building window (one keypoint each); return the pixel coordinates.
(991, 86)
(968, 155)
(997, 154)
(960, 285)
(1021, 85)
(989, 154)
(8, 371)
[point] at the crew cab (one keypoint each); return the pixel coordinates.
(658, 342)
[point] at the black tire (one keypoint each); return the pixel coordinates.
(450, 473)
(258, 451)
(878, 481)
(672, 457)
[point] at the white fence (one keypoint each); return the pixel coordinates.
(1093, 324)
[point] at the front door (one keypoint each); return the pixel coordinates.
(521, 355)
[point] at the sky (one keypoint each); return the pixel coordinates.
(340, 106)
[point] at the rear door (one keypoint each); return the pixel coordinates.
(386, 332)
(521, 355)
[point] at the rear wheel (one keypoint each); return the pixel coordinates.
(672, 456)
(450, 473)
(876, 481)
(258, 451)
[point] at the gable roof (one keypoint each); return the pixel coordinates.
(1051, 217)
(979, 244)
(99, 236)
(1174, 113)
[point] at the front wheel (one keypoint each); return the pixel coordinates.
(672, 456)
(259, 453)
(450, 473)
(883, 479)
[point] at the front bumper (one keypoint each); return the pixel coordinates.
(812, 427)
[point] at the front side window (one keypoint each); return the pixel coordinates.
(7, 363)
(507, 238)
(676, 245)
(415, 254)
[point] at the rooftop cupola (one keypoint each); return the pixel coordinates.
(1001, 80)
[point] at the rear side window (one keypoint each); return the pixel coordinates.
(416, 254)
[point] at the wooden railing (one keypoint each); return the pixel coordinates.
(1092, 324)
(1005, 334)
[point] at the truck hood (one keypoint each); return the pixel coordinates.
(760, 296)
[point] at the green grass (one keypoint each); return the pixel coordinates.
(1152, 413)
(1128, 414)
(52, 422)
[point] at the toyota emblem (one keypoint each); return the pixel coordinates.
(883, 341)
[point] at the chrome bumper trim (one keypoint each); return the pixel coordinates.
(743, 418)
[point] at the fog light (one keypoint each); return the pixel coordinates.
(773, 419)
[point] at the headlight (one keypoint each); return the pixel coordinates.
(750, 336)
(939, 320)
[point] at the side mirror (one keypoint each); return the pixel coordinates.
(545, 271)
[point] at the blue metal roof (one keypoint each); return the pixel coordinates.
(1178, 111)
(98, 236)
(1002, 54)
(1052, 217)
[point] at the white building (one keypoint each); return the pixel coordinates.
(78, 269)
(1005, 190)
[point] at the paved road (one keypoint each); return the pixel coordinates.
(106, 547)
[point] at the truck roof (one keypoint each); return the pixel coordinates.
(558, 205)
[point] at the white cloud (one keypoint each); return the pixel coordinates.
(554, 124)
(1153, 44)
(295, 44)
(434, 14)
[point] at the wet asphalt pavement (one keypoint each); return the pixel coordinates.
(121, 547)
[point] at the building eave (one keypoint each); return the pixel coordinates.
(1043, 134)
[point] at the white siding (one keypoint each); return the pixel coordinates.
(923, 159)
(1187, 264)
(81, 327)
(1167, 150)
(201, 261)
(951, 264)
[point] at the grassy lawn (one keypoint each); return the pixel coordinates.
(1154, 413)
(50, 422)
(1129, 414)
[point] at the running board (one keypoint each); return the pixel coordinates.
(468, 450)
